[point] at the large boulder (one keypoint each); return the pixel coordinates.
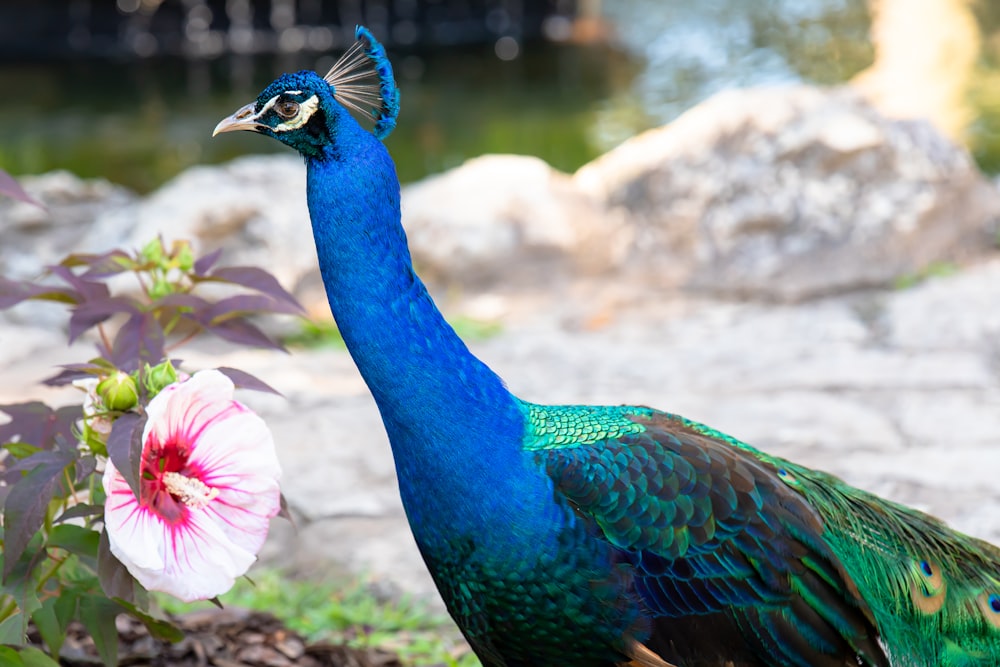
(790, 193)
(470, 224)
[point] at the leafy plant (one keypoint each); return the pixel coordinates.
(351, 613)
(57, 566)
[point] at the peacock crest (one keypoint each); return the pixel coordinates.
(362, 80)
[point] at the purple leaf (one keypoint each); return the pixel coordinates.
(100, 265)
(115, 580)
(256, 279)
(244, 380)
(182, 300)
(71, 373)
(80, 511)
(139, 340)
(13, 189)
(93, 312)
(125, 447)
(37, 424)
(202, 266)
(243, 333)
(88, 289)
(85, 467)
(24, 509)
(249, 304)
(285, 512)
(13, 292)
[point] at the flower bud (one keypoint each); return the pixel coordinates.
(160, 288)
(118, 391)
(159, 376)
(153, 252)
(183, 255)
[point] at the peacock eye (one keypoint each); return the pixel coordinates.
(287, 108)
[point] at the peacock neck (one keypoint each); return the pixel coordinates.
(454, 428)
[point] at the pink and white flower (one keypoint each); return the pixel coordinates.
(208, 489)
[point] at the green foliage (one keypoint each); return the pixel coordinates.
(317, 334)
(314, 334)
(932, 270)
(350, 613)
(55, 559)
(472, 329)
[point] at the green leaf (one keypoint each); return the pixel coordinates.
(66, 605)
(158, 628)
(22, 587)
(75, 539)
(98, 615)
(32, 657)
(8, 656)
(47, 621)
(21, 450)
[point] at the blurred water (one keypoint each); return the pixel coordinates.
(141, 122)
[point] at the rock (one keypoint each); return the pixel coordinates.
(253, 207)
(34, 237)
(791, 193)
(471, 223)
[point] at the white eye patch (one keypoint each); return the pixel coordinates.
(306, 109)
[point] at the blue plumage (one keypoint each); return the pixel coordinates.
(600, 536)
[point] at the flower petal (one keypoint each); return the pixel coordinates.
(192, 560)
(181, 407)
(197, 548)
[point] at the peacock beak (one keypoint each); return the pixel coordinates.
(244, 119)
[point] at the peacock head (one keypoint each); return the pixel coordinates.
(304, 110)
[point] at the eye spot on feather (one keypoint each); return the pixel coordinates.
(928, 589)
(989, 603)
(787, 477)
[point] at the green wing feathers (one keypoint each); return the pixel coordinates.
(935, 592)
(805, 565)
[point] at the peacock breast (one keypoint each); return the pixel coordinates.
(534, 607)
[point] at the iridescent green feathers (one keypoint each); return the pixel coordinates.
(805, 565)
(362, 80)
(935, 592)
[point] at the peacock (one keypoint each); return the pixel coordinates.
(592, 536)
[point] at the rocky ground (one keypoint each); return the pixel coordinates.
(787, 299)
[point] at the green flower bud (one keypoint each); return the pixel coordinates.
(183, 256)
(159, 376)
(160, 288)
(153, 252)
(118, 391)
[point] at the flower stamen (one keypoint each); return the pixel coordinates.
(191, 491)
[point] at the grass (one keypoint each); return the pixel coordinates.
(349, 613)
(932, 270)
(317, 334)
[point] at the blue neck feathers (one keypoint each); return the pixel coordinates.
(455, 429)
